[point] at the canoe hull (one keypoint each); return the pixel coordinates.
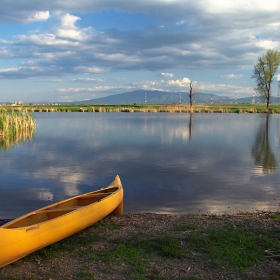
(18, 242)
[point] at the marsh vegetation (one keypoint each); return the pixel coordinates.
(149, 108)
(15, 127)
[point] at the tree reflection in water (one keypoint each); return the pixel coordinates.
(263, 155)
(190, 125)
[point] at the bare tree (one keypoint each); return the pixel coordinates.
(192, 92)
(264, 71)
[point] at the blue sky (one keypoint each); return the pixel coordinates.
(77, 50)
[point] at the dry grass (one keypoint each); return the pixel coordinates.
(15, 127)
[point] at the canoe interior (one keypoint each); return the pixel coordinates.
(61, 208)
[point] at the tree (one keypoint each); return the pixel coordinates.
(193, 88)
(191, 93)
(264, 71)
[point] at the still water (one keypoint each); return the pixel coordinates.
(168, 163)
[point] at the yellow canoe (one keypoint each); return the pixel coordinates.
(52, 223)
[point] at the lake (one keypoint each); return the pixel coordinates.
(168, 163)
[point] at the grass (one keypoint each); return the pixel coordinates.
(225, 246)
(85, 276)
(153, 108)
(231, 247)
(15, 127)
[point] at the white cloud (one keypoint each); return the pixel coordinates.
(229, 6)
(267, 44)
(85, 69)
(88, 80)
(185, 82)
(98, 88)
(68, 21)
(167, 75)
(68, 29)
(198, 38)
(224, 89)
(181, 22)
(232, 76)
(10, 69)
(39, 16)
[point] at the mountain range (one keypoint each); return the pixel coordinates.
(165, 97)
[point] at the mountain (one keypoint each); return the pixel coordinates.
(155, 97)
(166, 97)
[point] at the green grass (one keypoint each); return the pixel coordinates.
(184, 227)
(85, 276)
(232, 247)
(132, 256)
(227, 245)
(170, 108)
(276, 216)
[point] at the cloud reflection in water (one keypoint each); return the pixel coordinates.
(175, 163)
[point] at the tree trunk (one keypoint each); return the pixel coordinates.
(191, 94)
(267, 100)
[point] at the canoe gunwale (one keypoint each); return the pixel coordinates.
(58, 206)
(20, 239)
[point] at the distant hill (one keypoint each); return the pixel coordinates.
(155, 97)
(165, 97)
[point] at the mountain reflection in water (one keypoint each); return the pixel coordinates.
(168, 163)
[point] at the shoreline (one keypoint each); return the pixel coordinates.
(148, 108)
(161, 246)
(4, 221)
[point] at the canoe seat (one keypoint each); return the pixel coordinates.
(59, 209)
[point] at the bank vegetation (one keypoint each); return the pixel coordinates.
(14, 127)
(148, 108)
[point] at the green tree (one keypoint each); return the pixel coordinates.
(264, 71)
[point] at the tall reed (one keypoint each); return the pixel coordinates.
(15, 127)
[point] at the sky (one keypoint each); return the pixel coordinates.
(61, 51)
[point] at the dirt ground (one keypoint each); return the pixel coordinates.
(106, 250)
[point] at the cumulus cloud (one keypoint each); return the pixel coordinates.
(198, 42)
(68, 21)
(164, 37)
(185, 82)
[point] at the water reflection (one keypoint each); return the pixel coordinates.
(7, 141)
(191, 125)
(263, 154)
(161, 170)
